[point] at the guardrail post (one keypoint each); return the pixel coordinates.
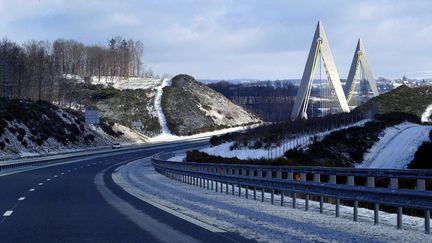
(394, 183)
(247, 192)
(337, 207)
(290, 175)
(371, 181)
(421, 184)
(399, 218)
(307, 203)
(317, 177)
(294, 200)
(282, 198)
(232, 189)
(350, 180)
(262, 195)
(255, 193)
(376, 214)
(226, 188)
(272, 197)
(211, 185)
(427, 221)
(321, 204)
(333, 179)
(269, 174)
(216, 186)
(208, 184)
(303, 176)
(355, 210)
(279, 174)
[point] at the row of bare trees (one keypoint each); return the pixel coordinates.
(38, 69)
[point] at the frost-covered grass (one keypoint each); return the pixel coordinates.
(262, 221)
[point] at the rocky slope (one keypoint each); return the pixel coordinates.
(191, 107)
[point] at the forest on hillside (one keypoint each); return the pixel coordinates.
(39, 70)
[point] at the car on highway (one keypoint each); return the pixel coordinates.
(116, 146)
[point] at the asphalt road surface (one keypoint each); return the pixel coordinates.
(79, 202)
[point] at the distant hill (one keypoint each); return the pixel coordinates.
(402, 99)
(191, 107)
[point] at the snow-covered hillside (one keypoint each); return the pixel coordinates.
(396, 147)
(191, 107)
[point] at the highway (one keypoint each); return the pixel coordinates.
(79, 202)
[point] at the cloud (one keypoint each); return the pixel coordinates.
(236, 38)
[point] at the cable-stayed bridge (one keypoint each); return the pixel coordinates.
(321, 91)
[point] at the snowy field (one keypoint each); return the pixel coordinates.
(120, 82)
(224, 150)
(263, 221)
(397, 146)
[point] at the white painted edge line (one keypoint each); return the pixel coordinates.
(21, 198)
(8, 213)
(31, 189)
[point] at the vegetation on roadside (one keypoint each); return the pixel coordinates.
(423, 156)
(402, 99)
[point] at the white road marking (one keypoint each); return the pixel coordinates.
(48, 179)
(55, 175)
(69, 171)
(21, 198)
(62, 173)
(31, 189)
(8, 213)
(40, 184)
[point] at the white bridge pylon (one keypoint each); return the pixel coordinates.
(319, 47)
(359, 66)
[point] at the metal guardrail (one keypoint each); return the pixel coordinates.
(294, 180)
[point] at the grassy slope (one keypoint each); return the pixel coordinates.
(402, 99)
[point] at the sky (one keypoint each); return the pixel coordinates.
(228, 39)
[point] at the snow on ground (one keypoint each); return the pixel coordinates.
(120, 82)
(263, 221)
(224, 150)
(396, 148)
(425, 117)
(158, 105)
(170, 137)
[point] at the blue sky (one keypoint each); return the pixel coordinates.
(223, 39)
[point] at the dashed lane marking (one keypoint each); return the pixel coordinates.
(8, 213)
(31, 189)
(21, 198)
(48, 179)
(40, 184)
(55, 175)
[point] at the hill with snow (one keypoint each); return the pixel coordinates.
(32, 128)
(191, 107)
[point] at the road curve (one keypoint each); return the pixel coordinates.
(79, 202)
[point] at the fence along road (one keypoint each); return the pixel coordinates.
(348, 184)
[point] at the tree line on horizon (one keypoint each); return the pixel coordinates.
(37, 70)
